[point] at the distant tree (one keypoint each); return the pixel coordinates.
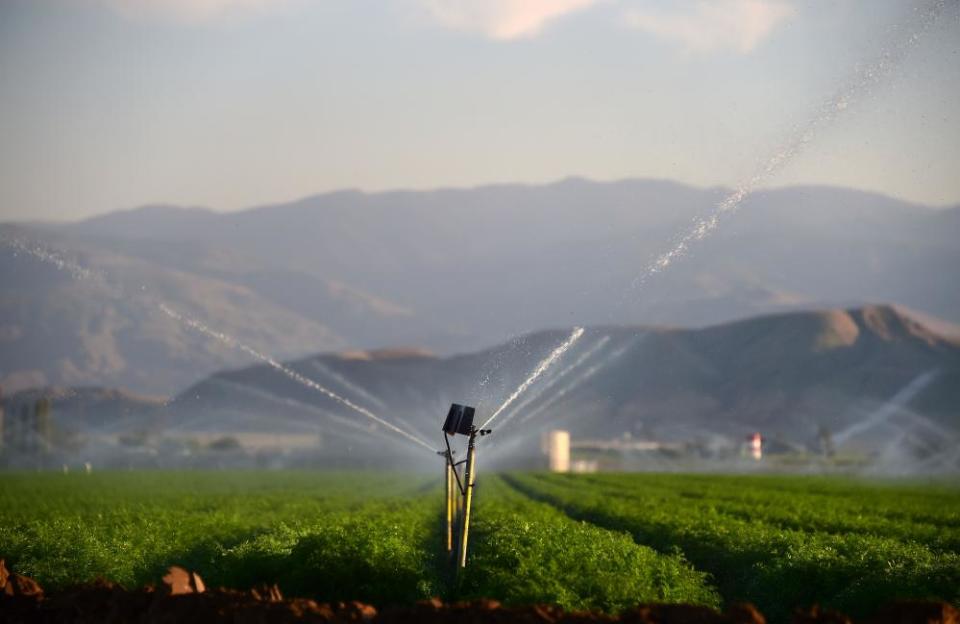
(226, 443)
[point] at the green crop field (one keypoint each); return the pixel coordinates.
(601, 542)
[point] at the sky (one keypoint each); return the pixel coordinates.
(228, 104)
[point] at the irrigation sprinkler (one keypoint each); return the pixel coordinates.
(459, 499)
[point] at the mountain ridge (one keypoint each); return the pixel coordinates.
(567, 180)
(455, 270)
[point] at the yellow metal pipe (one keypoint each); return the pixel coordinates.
(451, 501)
(468, 478)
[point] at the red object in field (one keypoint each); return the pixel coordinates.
(755, 442)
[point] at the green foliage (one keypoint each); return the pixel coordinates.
(525, 552)
(755, 557)
(603, 542)
(305, 530)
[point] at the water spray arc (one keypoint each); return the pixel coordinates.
(865, 80)
(289, 372)
(889, 408)
(347, 384)
(553, 381)
(80, 273)
(499, 447)
(541, 368)
(345, 426)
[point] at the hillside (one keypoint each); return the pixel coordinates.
(448, 270)
(877, 380)
(59, 331)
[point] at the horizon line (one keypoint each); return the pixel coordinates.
(413, 189)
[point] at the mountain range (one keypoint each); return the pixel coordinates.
(446, 271)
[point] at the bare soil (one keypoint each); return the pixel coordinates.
(182, 597)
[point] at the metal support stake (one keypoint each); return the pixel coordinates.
(451, 503)
(468, 479)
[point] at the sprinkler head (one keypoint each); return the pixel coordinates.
(459, 420)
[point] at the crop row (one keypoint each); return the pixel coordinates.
(526, 552)
(775, 567)
(879, 510)
(915, 501)
(237, 528)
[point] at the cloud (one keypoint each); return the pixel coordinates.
(713, 25)
(191, 11)
(502, 19)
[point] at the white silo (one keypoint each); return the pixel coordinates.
(558, 450)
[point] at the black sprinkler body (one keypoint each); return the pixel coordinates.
(459, 420)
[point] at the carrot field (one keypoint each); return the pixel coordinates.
(601, 542)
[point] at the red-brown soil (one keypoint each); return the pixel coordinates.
(183, 598)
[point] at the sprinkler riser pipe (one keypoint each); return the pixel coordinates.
(451, 504)
(468, 478)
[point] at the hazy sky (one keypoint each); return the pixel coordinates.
(110, 104)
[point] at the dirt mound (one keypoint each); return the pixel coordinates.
(16, 586)
(183, 598)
